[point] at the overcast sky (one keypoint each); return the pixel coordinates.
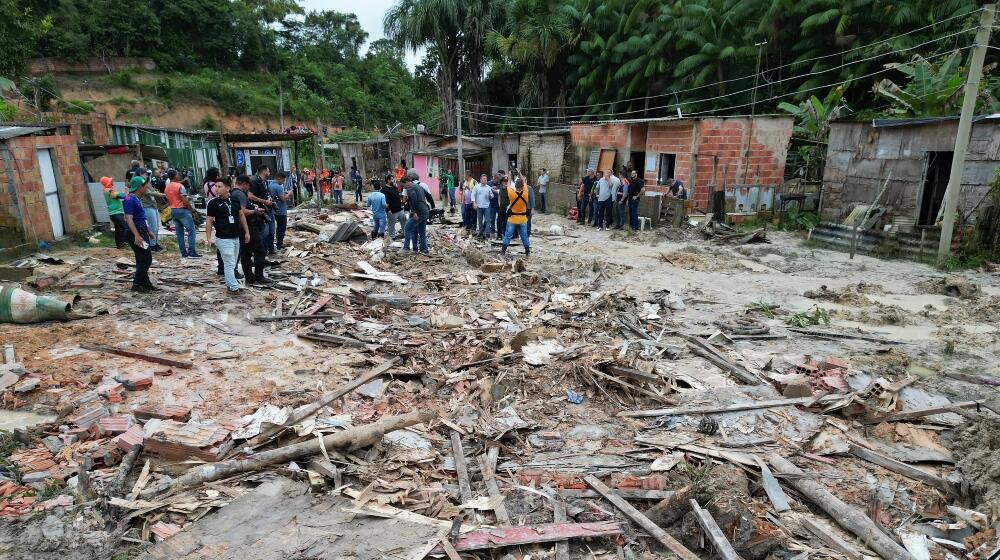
(370, 14)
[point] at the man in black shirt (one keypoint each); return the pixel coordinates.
(230, 225)
(583, 196)
(252, 250)
(636, 188)
(395, 212)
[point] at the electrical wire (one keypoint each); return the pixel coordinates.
(790, 64)
(703, 112)
(717, 97)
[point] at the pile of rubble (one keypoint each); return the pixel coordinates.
(532, 408)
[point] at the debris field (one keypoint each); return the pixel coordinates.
(732, 395)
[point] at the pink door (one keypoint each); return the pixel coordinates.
(425, 168)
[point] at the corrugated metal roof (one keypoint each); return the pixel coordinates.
(7, 132)
(888, 123)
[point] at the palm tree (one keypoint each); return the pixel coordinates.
(537, 39)
(456, 31)
(717, 31)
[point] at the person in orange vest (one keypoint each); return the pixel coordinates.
(400, 170)
(182, 214)
(514, 202)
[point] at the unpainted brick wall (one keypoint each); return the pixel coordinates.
(98, 123)
(73, 196)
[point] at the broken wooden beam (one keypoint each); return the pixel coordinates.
(701, 348)
(848, 517)
(357, 437)
(464, 485)
(831, 539)
(267, 433)
(628, 494)
(757, 405)
(388, 300)
(137, 355)
(629, 386)
(320, 304)
(502, 537)
(486, 361)
(711, 529)
(559, 516)
(639, 519)
(773, 489)
(632, 373)
(488, 467)
(907, 415)
(333, 339)
(307, 317)
(899, 467)
(835, 335)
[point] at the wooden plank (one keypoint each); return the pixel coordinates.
(486, 361)
(831, 539)
(836, 335)
(720, 544)
(320, 304)
(559, 516)
(449, 549)
(333, 339)
(307, 317)
(773, 489)
(641, 520)
(633, 373)
(155, 359)
(757, 405)
(628, 494)
(923, 412)
(464, 486)
(488, 464)
(327, 469)
(502, 537)
(704, 349)
(627, 385)
(266, 433)
(848, 517)
(899, 467)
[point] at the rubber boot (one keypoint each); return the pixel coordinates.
(527, 252)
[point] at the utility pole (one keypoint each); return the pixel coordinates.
(753, 112)
(954, 190)
(458, 127)
(281, 105)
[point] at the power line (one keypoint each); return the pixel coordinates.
(718, 97)
(772, 98)
(790, 64)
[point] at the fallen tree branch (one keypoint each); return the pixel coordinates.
(139, 356)
(350, 439)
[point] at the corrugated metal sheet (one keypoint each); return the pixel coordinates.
(7, 132)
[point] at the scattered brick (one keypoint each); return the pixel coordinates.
(178, 412)
(136, 380)
(115, 425)
(132, 437)
(88, 417)
(163, 531)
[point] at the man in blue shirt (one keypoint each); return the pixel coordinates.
(279, 194)
(377, 202)
(135, 218)
(482, 195)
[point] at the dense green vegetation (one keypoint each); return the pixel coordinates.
(523, 64)
(551, 61)
(236, 54)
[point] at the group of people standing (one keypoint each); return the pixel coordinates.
(603, 198)
(498, 207)
(405, 201)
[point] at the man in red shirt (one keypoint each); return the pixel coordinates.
(181, 213)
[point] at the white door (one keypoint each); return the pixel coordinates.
(51, 191)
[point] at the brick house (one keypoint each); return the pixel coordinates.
(741, 156)
(43, 196)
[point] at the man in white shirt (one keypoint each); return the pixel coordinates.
(617, 213)
(602, 216)
(481, 195)
(543, 184)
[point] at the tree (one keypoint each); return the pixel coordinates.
(20, 30)
(326, 35)
(932, 90)
(537, 40)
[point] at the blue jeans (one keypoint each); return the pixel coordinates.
(541, 202)
(380, 224)
(338, 196)
(415, 232)
(633, 213)
(483, 221)
(494, 215)
(269, 230)
(619, 215)
(522, 231)
(468, 217)
(451, 197)
(581, 206)
(501, 221)
(184, 226)
(597, 210)
(153, 222)
(230, 251)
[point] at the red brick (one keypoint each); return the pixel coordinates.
(115, 425)
(132, 437)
